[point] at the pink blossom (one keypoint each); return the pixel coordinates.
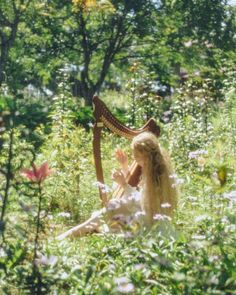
(37, 174)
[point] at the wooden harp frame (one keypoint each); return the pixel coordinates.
(104, 118)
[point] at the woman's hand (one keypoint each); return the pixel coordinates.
(122, 158)
(119, 177)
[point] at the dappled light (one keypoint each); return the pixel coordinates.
(137, 196)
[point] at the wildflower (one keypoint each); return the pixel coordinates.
(135, 196)
(213, 280)
(213, 258)
(64, 214)
(113, 205)
(188, 44)
(125, 288)
(165, 205)
(201, 218)
(174, 176)
(2, 253)
(128, 235)
(197, 153)
(165, 119)
(104, 188)
(139, 214)
(139, 266)
(224, 219)
(167, 113)
(199, 237)
(37, 174)
(123, 285)
(231, 196)
(121, 280)
(177, 181)
(161, 217)
(45, 260)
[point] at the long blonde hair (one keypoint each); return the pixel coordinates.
(159, 192)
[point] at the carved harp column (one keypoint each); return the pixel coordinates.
(104, 118)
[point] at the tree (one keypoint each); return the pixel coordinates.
(188, 34)
(95, 33)
(11, 15)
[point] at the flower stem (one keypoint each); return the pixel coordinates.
(36, 272)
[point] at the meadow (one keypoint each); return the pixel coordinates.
(195, 255)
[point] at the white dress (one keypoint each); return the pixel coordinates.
(124, 213)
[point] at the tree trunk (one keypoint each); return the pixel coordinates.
(82, 89)
(88, 96)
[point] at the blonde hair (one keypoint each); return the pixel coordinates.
(157, 184)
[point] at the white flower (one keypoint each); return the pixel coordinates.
(165, 119)
(2, 253)
(64, 214)
(224, 219)
(125, 288)
(113, 205)
(161, 217)
(121, 280)
(199, 237)
(165, 205)
(200, 218)
(139, 214)
(188, 43)
(197, 153)
(139, 266)
(128, 235)
(135, 196)
(191, 198)
(173, 176)
(177, 181)
(123, 285)
(167, 113)
(213, 258)
(231, 196)
(104, 188)
(45, 260)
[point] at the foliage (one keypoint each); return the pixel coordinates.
(172, 60)
(195, 255)
(97, 41)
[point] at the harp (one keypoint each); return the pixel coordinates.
(104, 118)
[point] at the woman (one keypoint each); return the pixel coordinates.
(157, 195)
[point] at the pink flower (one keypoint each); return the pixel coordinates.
(37, 174)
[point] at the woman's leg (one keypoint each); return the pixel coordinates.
(89, 226)
(109, 215)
